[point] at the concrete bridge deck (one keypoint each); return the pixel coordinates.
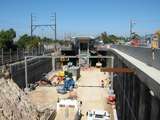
(147, 73)
(137, 92)
(147, 69)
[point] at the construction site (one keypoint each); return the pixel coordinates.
(83, 81)
(68, 82)
(88, 60)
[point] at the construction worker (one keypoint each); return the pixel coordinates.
(102, 83)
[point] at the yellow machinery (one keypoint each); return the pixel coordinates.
(154, 44)
(156, 40)
(62, 60)
(60, 74)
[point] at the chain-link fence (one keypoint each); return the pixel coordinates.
(10, 56)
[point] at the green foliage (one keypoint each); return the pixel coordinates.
(70, 74)
(66, 72)
(26, 41)
(109, 38)
(125, 39)
(23, 41)
(135, 36)
(6, 38)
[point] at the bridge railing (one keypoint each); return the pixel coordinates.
(147, 55)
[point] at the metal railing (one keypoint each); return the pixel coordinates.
(11, 56)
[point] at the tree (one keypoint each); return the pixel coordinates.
(6, 38)
(26, 41)
(113, 38)
(135, 36)
(109, 38)
(23, 41)
(46, 40)
(104, 36)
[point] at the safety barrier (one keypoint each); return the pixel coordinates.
(147, 55)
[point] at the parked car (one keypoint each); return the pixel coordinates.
(98, 115)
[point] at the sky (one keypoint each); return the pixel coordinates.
(81, 17)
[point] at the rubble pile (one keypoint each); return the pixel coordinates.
(15, 104)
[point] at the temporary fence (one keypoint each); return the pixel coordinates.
(8, 56)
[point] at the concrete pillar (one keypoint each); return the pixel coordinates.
(109, 62)
(88, 61)
(53, 64)
(26, 73)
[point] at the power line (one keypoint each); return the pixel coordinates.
(53, 26)
(131, 27)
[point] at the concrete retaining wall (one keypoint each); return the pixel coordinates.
(133, 95)
(146, 55)
(36, 68)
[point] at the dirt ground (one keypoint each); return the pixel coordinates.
(44, 96)
(89, 91)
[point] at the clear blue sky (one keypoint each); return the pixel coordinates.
(84, 17)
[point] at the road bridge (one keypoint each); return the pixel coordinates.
(137, 93)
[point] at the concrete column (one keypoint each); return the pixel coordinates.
(26, 73)
(53, 64)
(109, 62)
(88, 60)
